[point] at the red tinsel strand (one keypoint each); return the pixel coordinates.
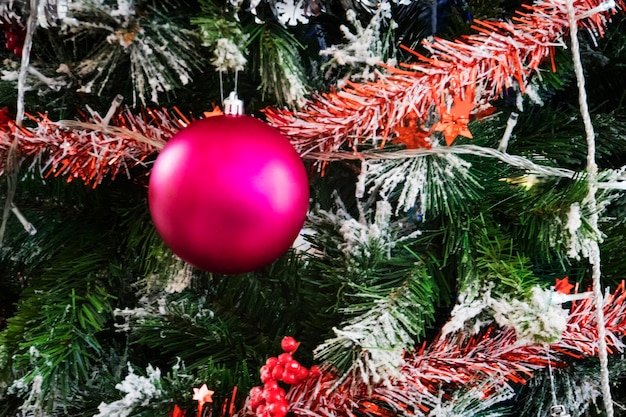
(499, 56)
(90, 150)
(488, 360)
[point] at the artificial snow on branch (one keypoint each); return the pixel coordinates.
(138, 391)
(431, 184)
(162, 55)
(392, 300)
(282, 74)
(493, 358)
(222, 32)
(366, 47)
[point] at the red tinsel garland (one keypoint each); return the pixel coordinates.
(488, 361)
(500, 56)
(90, 150)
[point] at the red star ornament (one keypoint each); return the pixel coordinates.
(203, 395)
(453, 122)
(411, 134)
(215, 112)
(563, 286)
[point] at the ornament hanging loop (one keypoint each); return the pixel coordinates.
(233, 105)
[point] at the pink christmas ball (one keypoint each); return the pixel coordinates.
(228, 194)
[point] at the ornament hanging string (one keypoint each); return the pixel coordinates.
(221, 73)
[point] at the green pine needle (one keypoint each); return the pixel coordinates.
(283, 79)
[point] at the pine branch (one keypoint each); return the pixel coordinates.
(576, 387)
(471, 401)
(282, 75)
(237, 318)
(544, 215)
(385, 296)
(432, 186)
(222, 32)
(188, 329)
(60, 332)
(53, 335)
(369, 346)
(364, 46)
(161, 54)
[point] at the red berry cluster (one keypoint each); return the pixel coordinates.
(15, 36)
(270, 401)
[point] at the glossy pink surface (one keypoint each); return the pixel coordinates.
(228, 194)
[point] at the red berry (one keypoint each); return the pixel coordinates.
(303, 373)
(314, 372)
(266, 374)
(289, 344)
(277, 372)
(293, 366)
(270, 384)
(261, 410)
(284, 358)
(256, 398)
(255, 392)
(18, 51)
(272, 395)
(289, 378)
(278, 409)
(271, 362)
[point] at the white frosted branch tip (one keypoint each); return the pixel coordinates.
(510, 124)
(560, 298)
(115, 104)
(603, 7)
(28, 226)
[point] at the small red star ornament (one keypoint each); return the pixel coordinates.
(454, 121)
(563, 286)
(215, 112)
(411, 134)
(203, 395)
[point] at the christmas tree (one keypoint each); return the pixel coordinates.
(448, 241)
